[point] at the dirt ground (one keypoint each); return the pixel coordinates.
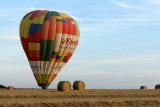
(74, 98)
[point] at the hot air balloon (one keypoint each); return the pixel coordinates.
(49, 39)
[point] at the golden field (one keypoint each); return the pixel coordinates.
(75, 98)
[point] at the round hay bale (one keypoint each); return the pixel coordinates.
(10, 88)
(64, 86)
(157, 86)
(78, 85)
(143, 87)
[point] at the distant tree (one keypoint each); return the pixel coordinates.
(1, 86)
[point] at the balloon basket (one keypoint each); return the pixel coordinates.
(43, 86)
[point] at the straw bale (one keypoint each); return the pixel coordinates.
(64, 86)
(78, 85)
(143, 87)
(10, 88)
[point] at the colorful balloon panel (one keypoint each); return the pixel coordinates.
(49, 39)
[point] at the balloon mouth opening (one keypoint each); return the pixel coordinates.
(43, 86)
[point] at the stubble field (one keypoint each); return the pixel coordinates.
(74, 98)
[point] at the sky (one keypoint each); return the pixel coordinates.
(119, 44)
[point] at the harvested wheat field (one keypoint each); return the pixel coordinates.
(75, 98)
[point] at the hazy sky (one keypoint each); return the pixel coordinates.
(119, 44)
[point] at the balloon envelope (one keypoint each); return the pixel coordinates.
(49, 39)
